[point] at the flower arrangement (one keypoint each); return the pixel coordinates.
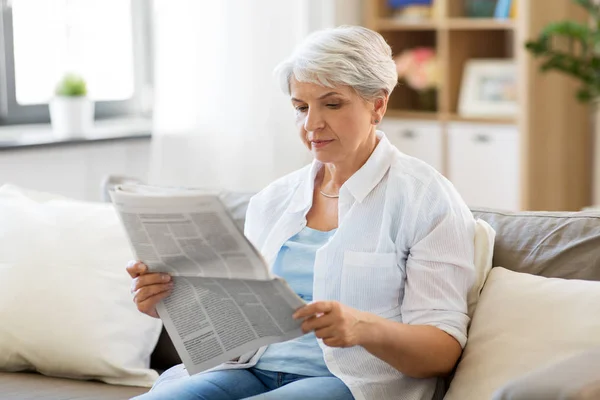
(418, 68)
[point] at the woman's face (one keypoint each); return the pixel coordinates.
(335, 124)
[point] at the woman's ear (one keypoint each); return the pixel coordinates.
(379, 108)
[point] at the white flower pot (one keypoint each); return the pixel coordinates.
(72, 117)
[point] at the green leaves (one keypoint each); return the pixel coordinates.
(570, 29)
(71, 85)
(573, 49)
(584, 95)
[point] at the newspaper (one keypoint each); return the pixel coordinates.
(225, 302)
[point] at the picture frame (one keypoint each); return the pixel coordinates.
(489, 89)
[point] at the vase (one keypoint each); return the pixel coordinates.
(427, 100)
(71, 117)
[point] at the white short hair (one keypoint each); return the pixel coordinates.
(348, 55)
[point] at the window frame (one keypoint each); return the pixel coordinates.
(139, 105)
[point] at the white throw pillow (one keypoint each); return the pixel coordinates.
(484, 252)
(65, 305)
(524, 322)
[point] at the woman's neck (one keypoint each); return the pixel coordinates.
(334, 175)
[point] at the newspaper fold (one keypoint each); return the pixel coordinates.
(225, 302)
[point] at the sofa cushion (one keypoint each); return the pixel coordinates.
(524, 322)
(484, 251)
(576, 378)
(30, 386)
(65, 301)
(551, 244)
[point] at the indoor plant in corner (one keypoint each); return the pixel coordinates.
(71, 111)
(573, 48)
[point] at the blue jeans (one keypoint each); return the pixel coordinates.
(249, 384)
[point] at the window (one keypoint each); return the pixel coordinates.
(108, 42)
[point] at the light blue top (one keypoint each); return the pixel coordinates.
(295, 263)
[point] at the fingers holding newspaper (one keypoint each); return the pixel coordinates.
(337, 324)
(148, 288)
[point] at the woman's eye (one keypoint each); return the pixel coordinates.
(333, 106)
(301, 108)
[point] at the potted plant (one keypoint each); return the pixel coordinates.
(573, 49)
(71, 111)
(417, 68)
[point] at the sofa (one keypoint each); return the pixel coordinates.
(31, 385)
(551, 245)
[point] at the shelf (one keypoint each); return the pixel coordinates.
(407, 114)
(478, 23)
(482, 120)
(549, 176)
(446, 117)
(390, 24)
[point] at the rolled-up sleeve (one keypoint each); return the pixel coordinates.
(439, 266)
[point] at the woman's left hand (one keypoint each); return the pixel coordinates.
(338, 325)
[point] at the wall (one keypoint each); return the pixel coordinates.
(75, 171)
(226, 123)
(348, 12)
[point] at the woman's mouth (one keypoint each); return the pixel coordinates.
(319, 144)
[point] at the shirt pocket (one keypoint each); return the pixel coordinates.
(371, 281)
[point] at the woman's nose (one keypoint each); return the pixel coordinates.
(313, 121)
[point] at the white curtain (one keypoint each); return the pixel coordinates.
(221, 120)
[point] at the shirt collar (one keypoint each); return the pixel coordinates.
(358, 185)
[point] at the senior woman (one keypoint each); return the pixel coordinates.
(378, 243)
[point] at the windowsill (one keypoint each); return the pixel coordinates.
(13, 137)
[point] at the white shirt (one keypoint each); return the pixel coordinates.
(403, 250)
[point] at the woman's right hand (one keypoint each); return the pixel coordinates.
(148, 288)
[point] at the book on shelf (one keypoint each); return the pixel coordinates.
(411, 10)
(513, 9)
(503, 9)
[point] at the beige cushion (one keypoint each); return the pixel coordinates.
(552, 244)
(576, 378)
(484, 250)
(65, 302)
(524, 322)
